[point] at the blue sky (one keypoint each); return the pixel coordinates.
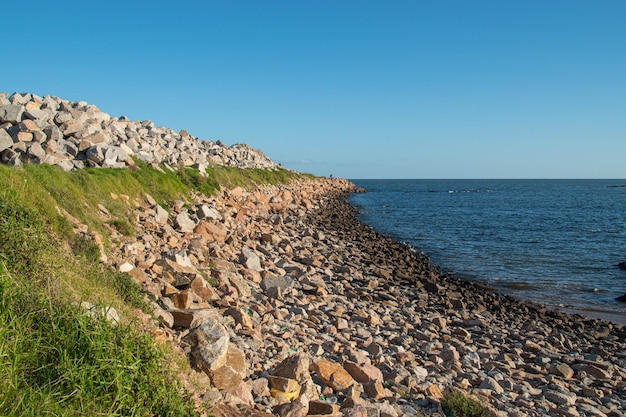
(357, 89)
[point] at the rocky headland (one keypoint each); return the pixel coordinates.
(285, 304)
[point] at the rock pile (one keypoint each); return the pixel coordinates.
(290, 306)
(73, 135)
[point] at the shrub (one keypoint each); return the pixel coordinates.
(457, 404)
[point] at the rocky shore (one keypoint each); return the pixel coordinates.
(286, 304)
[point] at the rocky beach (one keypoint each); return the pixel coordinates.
(284, 303)
(289, 305)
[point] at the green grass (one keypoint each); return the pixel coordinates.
(55, 359)
(457, 404)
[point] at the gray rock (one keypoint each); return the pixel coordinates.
(38, 114)
(36, 151)
(180, 257)
(184, 223)
(491, 384)
(53, 133)
(560, 398)
(17, 98)
(94, 154)
(11, 113)
(250, 259)
(6, 141)
(206, 212)
(209, 344)
(161, 215)
(284, 283)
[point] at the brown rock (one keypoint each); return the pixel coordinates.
(357, 411)
(225, 410)
(183, 299)
(260, 387)
(203, 290)
(242, 393)
(287, 385)
(294, 367)
(563, 370)
(240, 284)
(190, 318)
(230, 375)
(374, 389)
(211, 231)
(295, 409)
(333, 375)
(317, 407)
(363, 373)
(597, 372)
(241, 317)
(434, 391)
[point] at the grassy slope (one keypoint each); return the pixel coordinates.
(54, 359)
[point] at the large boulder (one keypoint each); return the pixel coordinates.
(333, 375)
(209, 344)
(11, 113)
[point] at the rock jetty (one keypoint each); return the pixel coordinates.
(73, 135)
(287, 305)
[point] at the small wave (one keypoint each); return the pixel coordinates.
(596, 231)
(519, 285)
(472, 190)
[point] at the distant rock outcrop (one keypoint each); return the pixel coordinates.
(73, 135)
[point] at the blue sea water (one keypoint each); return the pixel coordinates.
(555, 242)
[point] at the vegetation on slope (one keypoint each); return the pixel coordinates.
(54, 357)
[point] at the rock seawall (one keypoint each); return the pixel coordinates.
(73, 135)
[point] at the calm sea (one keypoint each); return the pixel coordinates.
(556, 242)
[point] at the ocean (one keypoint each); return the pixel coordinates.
(553, 242)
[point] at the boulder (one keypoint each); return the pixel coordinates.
(250, 259)
(283, 283)
(294, 367)
(363, 373)
(161, 215)
(184, 223)
(186, 319)
(206, 212)
(6, 141)
(211, 231)
(11, 113)
(230, 374)
(209, 344)
(333, 375)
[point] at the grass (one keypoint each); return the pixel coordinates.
(54, 358)
(457, 404)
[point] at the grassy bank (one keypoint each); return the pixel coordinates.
(55, 359)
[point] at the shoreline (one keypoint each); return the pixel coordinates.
(513, 310)
(299, 289)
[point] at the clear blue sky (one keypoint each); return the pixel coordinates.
(357, 89)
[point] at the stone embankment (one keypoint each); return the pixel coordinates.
(286, 304)
(73, 135)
